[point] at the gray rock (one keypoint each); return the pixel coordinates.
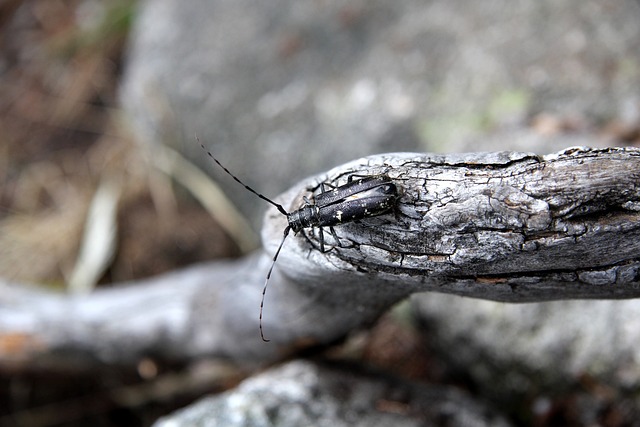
(512, 349)
(301, 393)
(283, 89)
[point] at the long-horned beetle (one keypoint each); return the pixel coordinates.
(361, 198)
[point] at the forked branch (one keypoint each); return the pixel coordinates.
(501, 226)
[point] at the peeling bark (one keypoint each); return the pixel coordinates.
(505, 226)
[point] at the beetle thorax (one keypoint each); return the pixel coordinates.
(306, 216)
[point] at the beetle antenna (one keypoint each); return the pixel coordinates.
(266, 281)
(263, 197)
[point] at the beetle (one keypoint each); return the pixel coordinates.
(357, 199)
(361, 198)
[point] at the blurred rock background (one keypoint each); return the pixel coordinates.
(92, 92)
(283, 90)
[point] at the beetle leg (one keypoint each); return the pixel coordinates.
(335, 236)
(323, 184)
(321, 238)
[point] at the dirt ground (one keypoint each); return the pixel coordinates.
(61, 140)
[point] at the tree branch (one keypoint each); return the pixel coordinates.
(501, 226)
(513, 220)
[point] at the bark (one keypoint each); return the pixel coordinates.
(512, 227)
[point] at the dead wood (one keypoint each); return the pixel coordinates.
(505, 226)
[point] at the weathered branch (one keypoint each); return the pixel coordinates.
(501, 226)
(520, 227)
